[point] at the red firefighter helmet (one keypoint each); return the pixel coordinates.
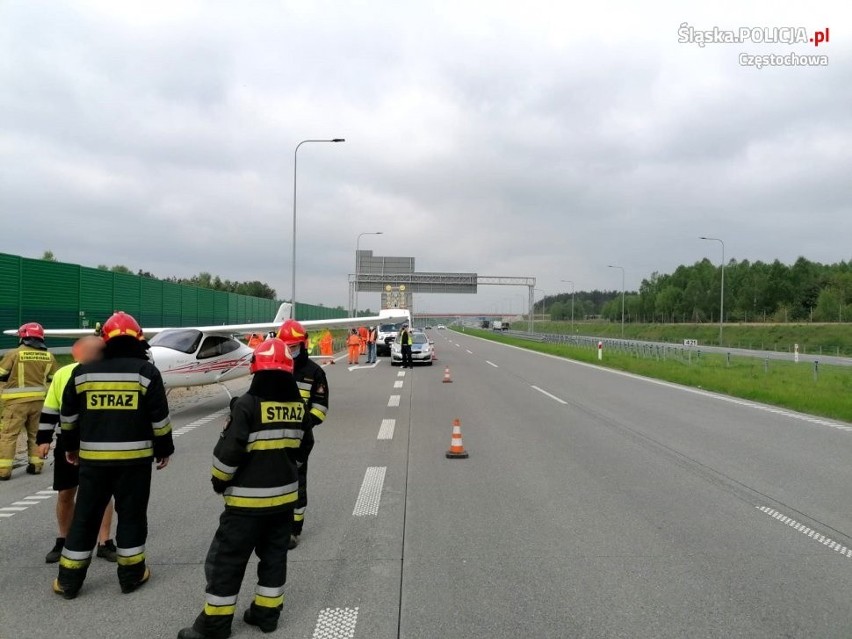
(272, 355)
(121, 324)
(291, 332)
(31, 329)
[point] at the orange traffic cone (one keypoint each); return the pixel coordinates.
(457, 450)
(447, 379)
(434, 355)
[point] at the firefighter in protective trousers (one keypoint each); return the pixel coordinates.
(313, 385)
(115, 423)
(254, 468)
(25, 373)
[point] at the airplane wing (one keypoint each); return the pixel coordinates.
(387, 316)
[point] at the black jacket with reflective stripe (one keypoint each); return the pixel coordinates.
(313, 386)
(254, 459)
(115, 412)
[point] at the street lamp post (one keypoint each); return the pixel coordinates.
(622, 296)
(722, 294)
(572, 304)
(293, 266)
(357, 243)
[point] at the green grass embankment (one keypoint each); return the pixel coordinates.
(783, 383)
(825, 339)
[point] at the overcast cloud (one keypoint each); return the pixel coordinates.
(505, 138)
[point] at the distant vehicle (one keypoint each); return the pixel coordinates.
(485, 324)
(441, 327)
(428, 328)
(421, 350)
(497, 325)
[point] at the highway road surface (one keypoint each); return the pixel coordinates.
(593, 504)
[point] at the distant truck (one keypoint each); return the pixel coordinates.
(497, 325)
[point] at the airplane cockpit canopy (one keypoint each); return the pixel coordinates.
(183, 340)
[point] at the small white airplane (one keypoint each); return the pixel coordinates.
(201, 355)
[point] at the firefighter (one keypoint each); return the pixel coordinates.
(372, 338)
(313, 387)
(254, 469)
(353, 342)
(253, 340)
(405, 341)
(26, 371)
(65, 475)
(115, 423)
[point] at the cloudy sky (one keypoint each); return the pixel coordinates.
(526, 138)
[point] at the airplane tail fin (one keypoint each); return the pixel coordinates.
(285, 312)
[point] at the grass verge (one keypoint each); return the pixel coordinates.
(781, 383)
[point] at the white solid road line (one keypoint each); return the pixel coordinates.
(336, 623)
(551, 396)
(394, 400)
(825, 541)
(491, 364)
(386, 430)
(398, 384)
(370, 494)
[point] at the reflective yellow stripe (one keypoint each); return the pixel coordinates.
(214, 611)
(165, 430)
(111, 386)
(274, 444)
(316, 412)
(218, 474)
(268, 602)
(6, 463)
(116, 454)
(297, 517)
(260, 502)
(74, 564)
(129, 561)
(11, 394)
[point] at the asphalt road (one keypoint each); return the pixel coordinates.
(593, 504)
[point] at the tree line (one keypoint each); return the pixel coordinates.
(253, 288)
(754, 292)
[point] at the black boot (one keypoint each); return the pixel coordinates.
(264, 624)
(56, 552)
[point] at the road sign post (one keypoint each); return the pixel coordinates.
(600, 351)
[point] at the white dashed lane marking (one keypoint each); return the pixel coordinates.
(551, 396)
(21, 505)
(371, 492)
(491, 364)
(386, 430)
(394, 400)
(401, 374)
(397, 384)
(183, 430)
(795, 525)
(336, 623)
(469, 352)
(43, 495)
